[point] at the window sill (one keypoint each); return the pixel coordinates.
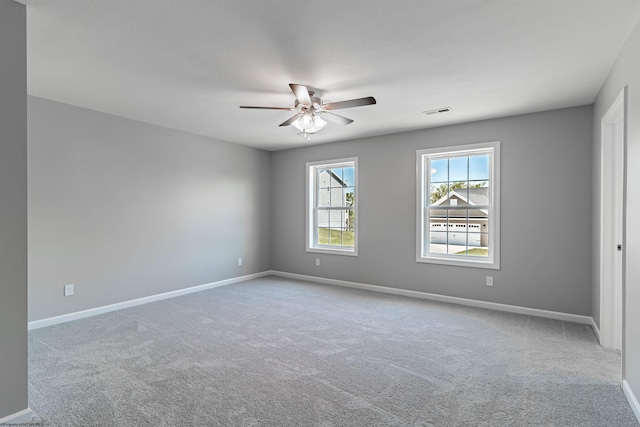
(473, 263)
(333, 251)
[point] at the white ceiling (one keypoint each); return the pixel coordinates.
(189, 64)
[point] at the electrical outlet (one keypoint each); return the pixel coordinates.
(489, 280)
(68, 290)
(239, 261)
(317, 261)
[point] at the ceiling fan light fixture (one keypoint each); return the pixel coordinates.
(306, 121)
(318, 123)
(309, 123)
(297, 125)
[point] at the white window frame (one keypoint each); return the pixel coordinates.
(423, 182)
(311, 218)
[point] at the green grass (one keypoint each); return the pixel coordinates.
(334, 237)
(475, 252)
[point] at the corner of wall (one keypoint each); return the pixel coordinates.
(13, 211)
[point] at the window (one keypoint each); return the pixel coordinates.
(332, 206)
(458, 205)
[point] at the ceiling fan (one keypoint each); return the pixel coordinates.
(310, 108)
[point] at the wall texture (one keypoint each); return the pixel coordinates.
(124, 209)
(626, 72)
(13, 208)
(546, 212)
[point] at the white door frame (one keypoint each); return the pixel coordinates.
(612, 223)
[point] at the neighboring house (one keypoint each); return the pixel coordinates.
(458, 223)
(332, 191)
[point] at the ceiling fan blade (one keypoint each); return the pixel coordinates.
(336, 118)
(302, 93)
(289, 121)
(350, 103)
(267, 108)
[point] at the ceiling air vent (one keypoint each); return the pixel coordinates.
(437, 111)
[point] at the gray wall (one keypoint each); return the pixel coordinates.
(546, 212)
(13, 208)
(626, 72)
(124, 209)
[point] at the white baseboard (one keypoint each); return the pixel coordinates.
(595, 328)
(36, 324)
(633, 402)
(587, 320)
(23, 417)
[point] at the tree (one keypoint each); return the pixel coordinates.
(351, 215)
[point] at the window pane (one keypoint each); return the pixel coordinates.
(350, 221)
(479, 197)
(348, 190)
(457, 214)
(439, 170)
(322, 227)
(456, 230)
(337, 196)
(350, 215)
(323, 183)
(479, 236)
(323, 178)
(458, 193)
(438, 193)
(474, 229)
(479, 168)
(323, 235)
(335, 237)
(458, 169)
(348, 232)
(336, 178)
(323, 218)
(483, 249)
(348, 177)
(335, 219)
(457, 243)
(484, 228)
(438, 242)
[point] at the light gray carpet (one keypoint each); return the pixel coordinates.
(277, 352)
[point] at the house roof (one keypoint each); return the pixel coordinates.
(334, 176)
(476, 196)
